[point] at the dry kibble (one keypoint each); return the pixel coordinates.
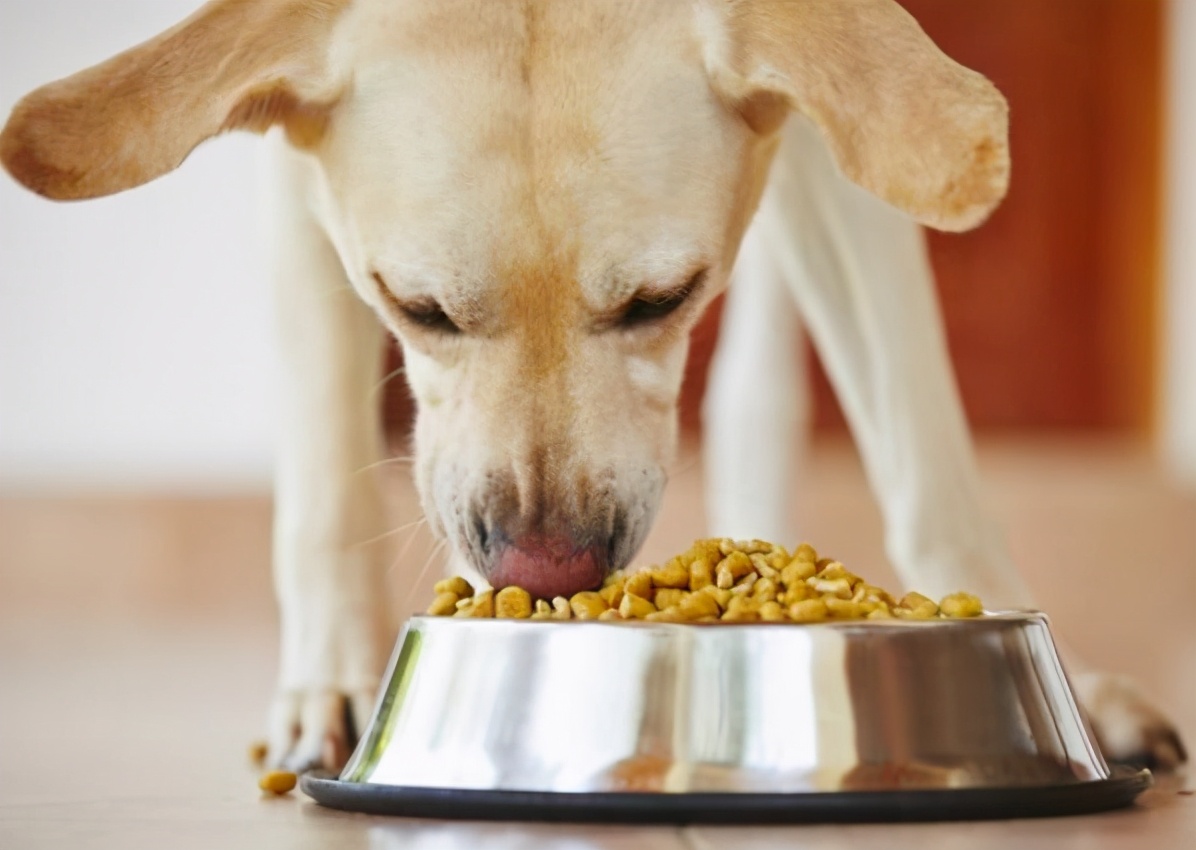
(258, 751)
(669, 597)
(844, 609)
(717, 580)
(961, 605)
(839, 587)
(639, 584)
(587, 606)
(561, 609)
(724, 579)
(837, 571)
(796, 572)
(701, 574)
(455, 585)
(745, 584)
(772, 611)
(915, 606)
(738, 564)
(719, 595)
(278, 782)
(443, 604)
(513, 603)
(764, 590)
(483, 604)
(634, 607)
(671, 575)
(699, 605)
(612, 594)
(808, 611)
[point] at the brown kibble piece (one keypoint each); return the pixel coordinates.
(808, 611)
(456, 585)
(278, 782)
(612, 594)
(635, 607)
(587, 605)
(961, 605)
(513, 603)
(258, 751)
(443, 605)
(671, 575)
(639, 584)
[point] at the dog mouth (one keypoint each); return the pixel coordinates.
(557, 557)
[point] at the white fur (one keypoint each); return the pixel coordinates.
(326, 499)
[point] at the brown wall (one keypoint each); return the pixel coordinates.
(1049, 306)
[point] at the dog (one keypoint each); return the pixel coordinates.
(538, 199)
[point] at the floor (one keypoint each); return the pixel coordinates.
(137, 647)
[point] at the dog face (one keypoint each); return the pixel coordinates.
(538, 199)
(541, 248)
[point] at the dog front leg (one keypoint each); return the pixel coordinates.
(755, 411)
(862, 279)
(327, 503)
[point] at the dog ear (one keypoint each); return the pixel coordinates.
(902, 119)
(234, 64)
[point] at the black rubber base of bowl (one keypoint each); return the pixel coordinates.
(843, 807)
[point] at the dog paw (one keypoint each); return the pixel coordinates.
(317, 729)
(1128, 727)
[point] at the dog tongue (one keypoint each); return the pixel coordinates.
(547, 568)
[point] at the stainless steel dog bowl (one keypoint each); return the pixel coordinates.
(892, 720)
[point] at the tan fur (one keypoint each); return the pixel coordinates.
(234, 64)
(903, 120)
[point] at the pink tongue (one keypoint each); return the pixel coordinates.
(547, 568)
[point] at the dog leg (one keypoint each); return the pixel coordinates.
(756, 408)
(327, 502)
(862, 279)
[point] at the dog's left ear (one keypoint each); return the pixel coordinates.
(902, 119)
(234, 64)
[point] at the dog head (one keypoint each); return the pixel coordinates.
(539, 198)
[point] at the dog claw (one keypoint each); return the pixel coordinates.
(316, 730)
(1128, 727)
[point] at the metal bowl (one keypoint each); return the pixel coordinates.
(658, 721)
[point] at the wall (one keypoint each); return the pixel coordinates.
(135, 347)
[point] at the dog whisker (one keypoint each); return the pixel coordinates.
(392, 532)
(403, 459)
(415, 585)
(378, 387)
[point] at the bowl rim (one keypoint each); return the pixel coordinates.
(1003, 616)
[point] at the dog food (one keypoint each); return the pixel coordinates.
(717, 580)
(278, 782)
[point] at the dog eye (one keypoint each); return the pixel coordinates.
(429, 315)
(650, 307)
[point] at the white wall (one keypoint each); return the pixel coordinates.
(135, 331)
(1179, 301)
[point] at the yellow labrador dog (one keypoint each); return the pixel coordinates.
(539, 198)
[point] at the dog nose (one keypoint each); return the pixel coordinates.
(548, 567)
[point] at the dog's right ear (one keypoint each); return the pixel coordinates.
(234, 64)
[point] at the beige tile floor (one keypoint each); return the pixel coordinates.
(137, 650)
